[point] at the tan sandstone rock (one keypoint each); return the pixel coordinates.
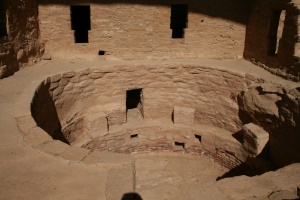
(255, 139)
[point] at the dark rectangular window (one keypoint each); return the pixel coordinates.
(274, 32)
(133, 98)
(101, 53)
(179, 19)
(81, 23)
(3, 29)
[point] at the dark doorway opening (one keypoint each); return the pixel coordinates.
(275, 32)
(178, 33)
(133, 98)
(3, 29)
(179, 19)
(81, 22)
(81, 36)
(198, 137)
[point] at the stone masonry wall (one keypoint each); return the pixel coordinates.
(211, 92)
(21, 46)
(141, 30)
(286, 61)
(102, 92)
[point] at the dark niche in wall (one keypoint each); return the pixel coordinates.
(179, 19)
(81, 22)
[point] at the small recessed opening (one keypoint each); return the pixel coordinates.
(133, 98)
(275, 31)
(198, 137)
(180, 144)
(134, 136)
(3, 28)
(101, 53)
(80, 22)
(179, 19)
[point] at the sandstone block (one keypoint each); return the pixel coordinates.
(55, 78)
(255, 139)
(183, 116)
(117, 116)
(97, 124)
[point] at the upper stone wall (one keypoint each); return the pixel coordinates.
(264, 35)
(135, 30)
(21, 45)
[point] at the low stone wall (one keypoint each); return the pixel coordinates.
(97, 97)
(177, 100)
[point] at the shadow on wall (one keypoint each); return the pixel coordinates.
(235, 10)
(44, 113)
(253, 165)
(131, 196)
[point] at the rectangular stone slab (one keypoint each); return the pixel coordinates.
(183, 116)
(255, 139)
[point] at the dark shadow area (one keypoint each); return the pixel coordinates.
(274, 51)
(239, 136)
(3, 29)
(134, 136)
(177, 33)
(235, 10)
(44, 113)
(273, 32)
(101, 53)
(252, 166)
(81, 36)
(131, 196)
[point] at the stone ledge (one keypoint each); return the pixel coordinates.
(53, 147)
(107, 157)
(74, 153)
